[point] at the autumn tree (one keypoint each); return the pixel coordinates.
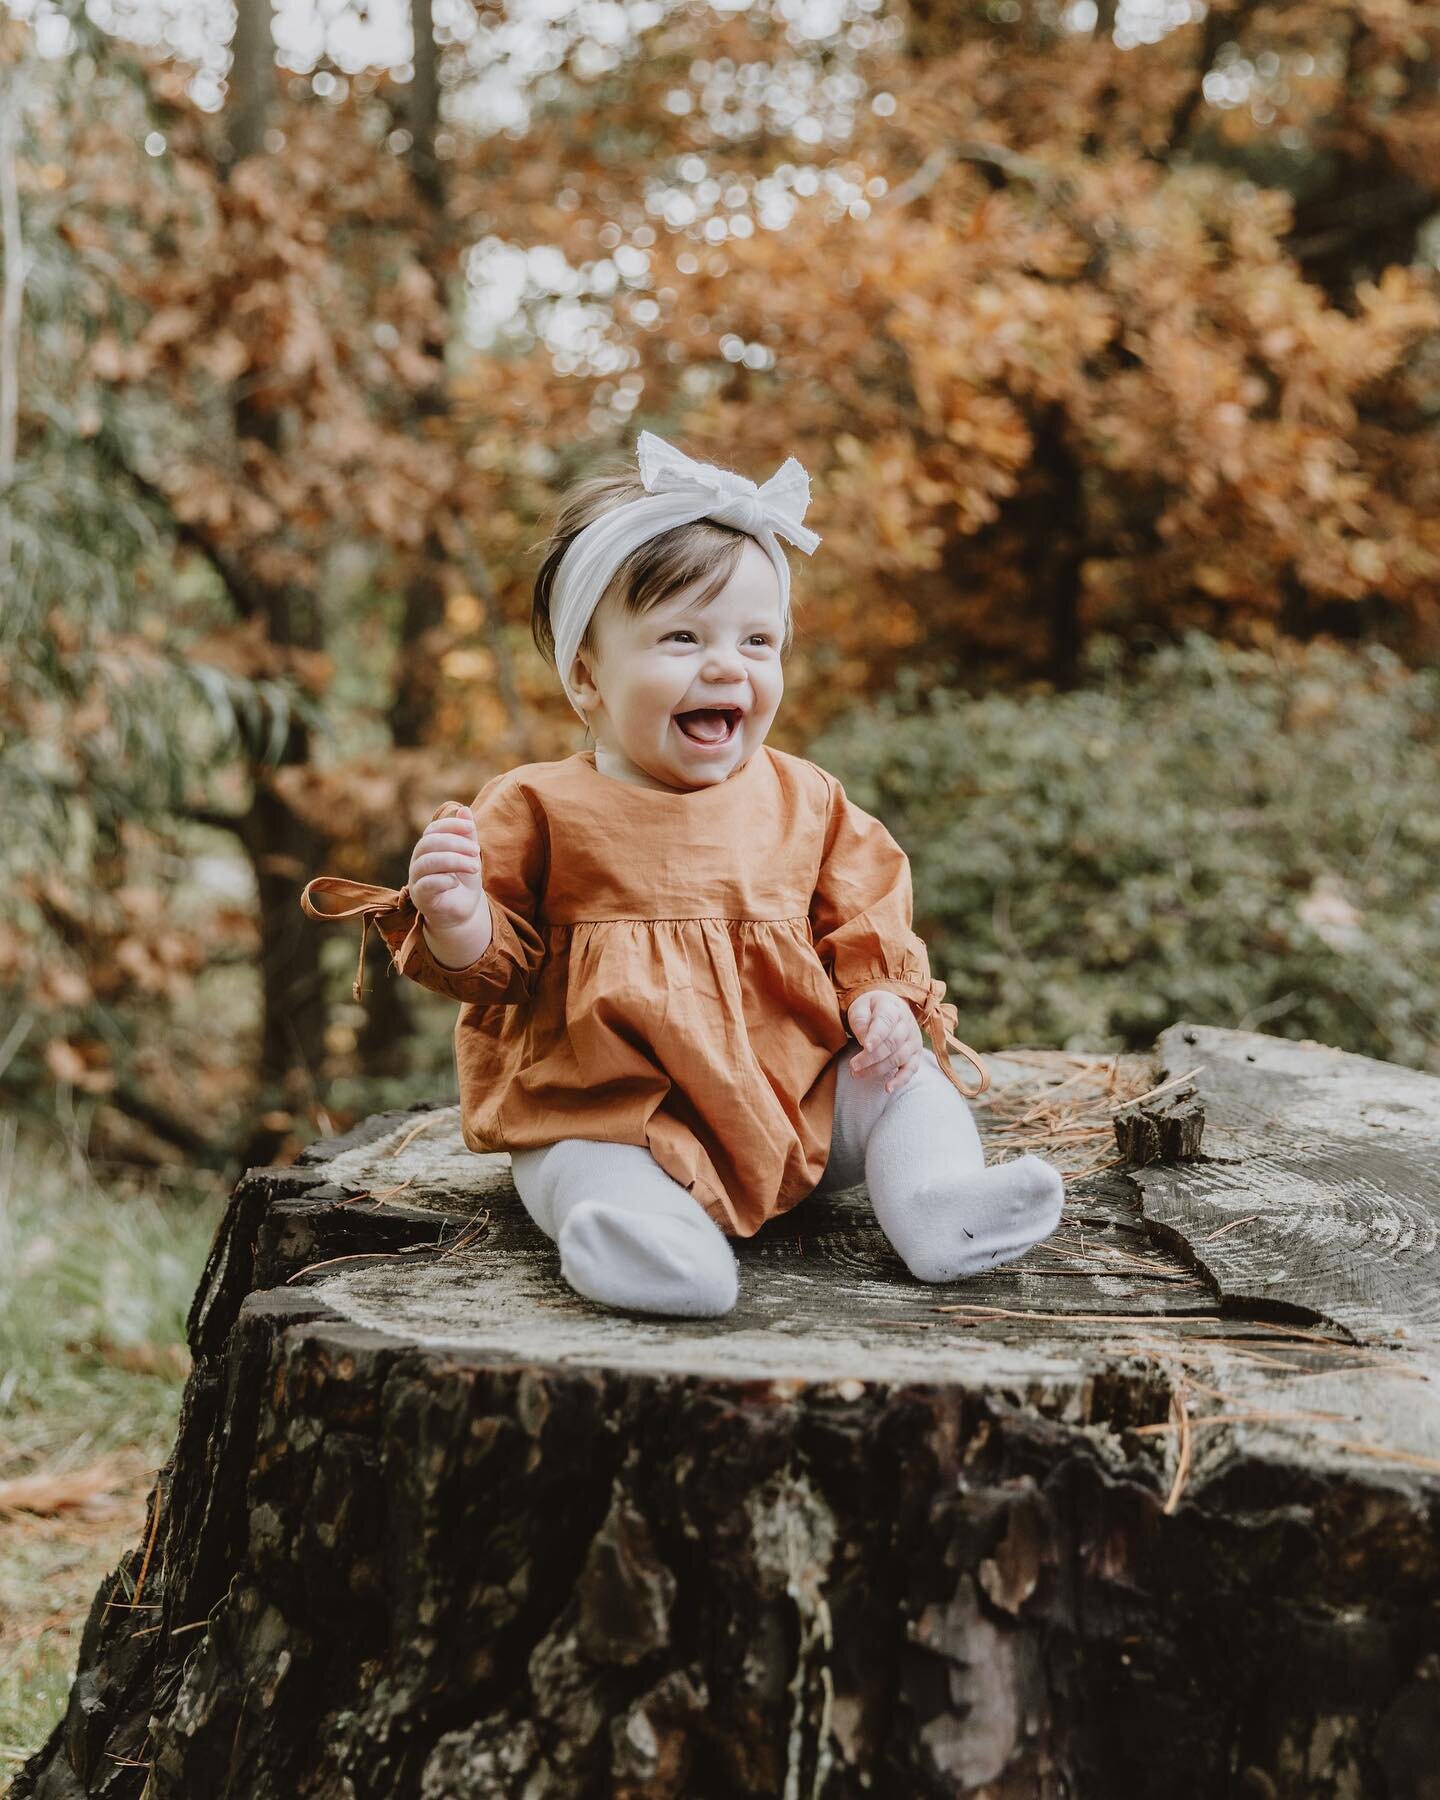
(1076, 324)
(1076, 331)
(220, 384)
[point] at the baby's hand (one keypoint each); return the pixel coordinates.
(445, 879)
(889, 1037)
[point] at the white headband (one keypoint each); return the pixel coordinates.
(679, 490)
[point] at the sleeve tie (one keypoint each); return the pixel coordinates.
(940, 1018)
(367, 898)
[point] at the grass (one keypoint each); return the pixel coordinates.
(97, 1269)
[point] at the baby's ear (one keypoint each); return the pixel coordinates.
(584, 683)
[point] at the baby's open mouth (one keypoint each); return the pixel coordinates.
(710, 725)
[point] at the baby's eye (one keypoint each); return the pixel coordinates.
(675, 634)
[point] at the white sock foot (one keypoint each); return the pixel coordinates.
(964, 1225)
(628, 1235)
(944, 1212)
(648, 1264)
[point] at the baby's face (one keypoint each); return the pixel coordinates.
(680, 658)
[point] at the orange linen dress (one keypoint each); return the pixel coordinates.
(670, 969)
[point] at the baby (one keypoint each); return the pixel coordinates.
(691, 994)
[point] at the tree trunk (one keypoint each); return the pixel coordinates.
(389, 1024)
(389, 1019)
(1056, 545)
(251, 81)
(435, 1526)
(280, 846)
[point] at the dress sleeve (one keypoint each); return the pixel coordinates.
(513, 853)
(861, 925)
(860, 915)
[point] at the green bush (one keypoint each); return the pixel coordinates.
(1222, 835)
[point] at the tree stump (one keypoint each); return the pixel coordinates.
(1151, 1513)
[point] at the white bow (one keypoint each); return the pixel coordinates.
(677, 490)
(778, 504)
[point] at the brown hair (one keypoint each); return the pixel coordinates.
(658, 568)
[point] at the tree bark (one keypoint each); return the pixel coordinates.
(279, 845)
(435, 1526)
(389, 1020)
(251, 80)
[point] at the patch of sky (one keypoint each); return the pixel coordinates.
(492, 70)
(1136, 21)
(494, 63)
(794, 96)
(1263, 84)
(521, 295)
(1147, 21)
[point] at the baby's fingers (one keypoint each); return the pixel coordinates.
(440, 862)
(903, 1074)
(425, 890)
(453, 813)
(878, 1047)
(443, 837)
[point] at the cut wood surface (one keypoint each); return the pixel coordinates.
(1335, 1157)
(1152, 1512)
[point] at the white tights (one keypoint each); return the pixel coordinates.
(630, 1236)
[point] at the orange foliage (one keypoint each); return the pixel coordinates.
(1037, 364)
(1043, 363)
(1059, 349)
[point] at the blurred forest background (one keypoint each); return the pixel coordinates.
(1109, 332)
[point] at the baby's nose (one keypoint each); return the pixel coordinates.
(724, 659)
